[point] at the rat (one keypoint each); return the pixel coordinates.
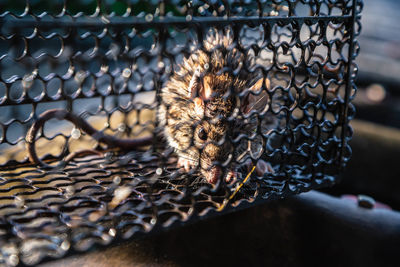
(206, 109)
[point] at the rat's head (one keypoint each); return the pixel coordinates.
(218, 113)
(213, 145)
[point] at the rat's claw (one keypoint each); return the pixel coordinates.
(185, 163)
(231, 176)
(263, 167)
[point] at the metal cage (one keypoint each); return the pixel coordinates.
(107, 62)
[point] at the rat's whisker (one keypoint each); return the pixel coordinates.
(188, 158)
(258, 101)
(192, 159)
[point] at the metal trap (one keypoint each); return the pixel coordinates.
(109, 62)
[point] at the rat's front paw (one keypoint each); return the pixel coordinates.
(231, 176)
(262, 167)
(186, 164)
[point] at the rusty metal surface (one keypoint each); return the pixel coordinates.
(108, 67)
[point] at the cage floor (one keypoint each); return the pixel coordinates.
(96, 200)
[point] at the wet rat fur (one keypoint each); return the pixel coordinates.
(209, 102)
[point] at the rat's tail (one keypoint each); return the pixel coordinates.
(79, 122)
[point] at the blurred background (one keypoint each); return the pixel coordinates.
(374, 167)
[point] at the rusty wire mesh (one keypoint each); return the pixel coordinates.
(107, 62)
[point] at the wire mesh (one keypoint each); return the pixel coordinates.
(253, 98)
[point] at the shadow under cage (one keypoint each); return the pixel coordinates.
(123, 119)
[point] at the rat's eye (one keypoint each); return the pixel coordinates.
(202, 134)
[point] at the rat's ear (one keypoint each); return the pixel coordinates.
(194, 85)
(259, 102)
(198, 106)
(196, 92)
(200, 86)
(206, 90)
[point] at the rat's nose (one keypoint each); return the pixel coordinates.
(213, 174)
